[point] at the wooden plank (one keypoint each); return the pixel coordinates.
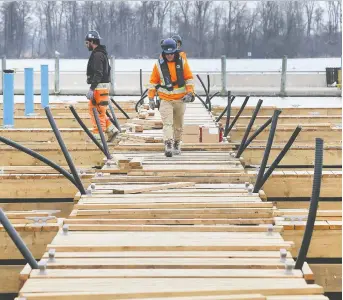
(205, 178)
(324, 243)
(322, 205)
(61, 296)
(308, 274)
(295, 156)
(153, 205)
(335, 225)
(235, 297)
(209, 221)
(64, 207)
(35, 240)
(152, 188)
(329, 276)
(171, 254)
(9, 279)
(144, 287)
(103, 227)
(46, 186)
(83, 154)
(283, 133)
(284, 186)
(165, 273)
(168, 263)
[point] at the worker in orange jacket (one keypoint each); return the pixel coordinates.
(173, 80)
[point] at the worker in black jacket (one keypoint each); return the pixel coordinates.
(98, 76)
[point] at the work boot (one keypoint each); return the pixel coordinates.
(168, 148)
(177, 148)
(112, 133)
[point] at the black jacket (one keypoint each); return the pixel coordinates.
(98, 68)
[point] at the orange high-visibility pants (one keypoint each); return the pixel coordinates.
(101, 98)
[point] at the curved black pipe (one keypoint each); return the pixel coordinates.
(17, 240)
(276, 114)
(64, 150)
(101, 133)
(118, 106)
(215, 94)
(114, 118)
(279, 157)
(312, 213)
(202, 101)
(40, 157)
(84, 127)
(247, 131)
(140, 102)
(228, 114)
(225, 109)
(256, 133)
(209, 107)
(239, 113)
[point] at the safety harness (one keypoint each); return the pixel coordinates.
(168, 83)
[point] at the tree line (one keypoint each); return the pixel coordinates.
(209, 28)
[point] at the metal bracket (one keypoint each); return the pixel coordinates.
(270, 229)
(39, 221)
(52, 253)
(42, 265)
(283, 255)
(65, 229)
(289, 265)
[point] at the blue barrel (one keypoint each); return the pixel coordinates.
(44, 81)
(29, 108)
(8, 91)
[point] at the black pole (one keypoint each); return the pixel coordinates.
(102, 136)
(111, 119)
(208, 84)
(116, 122)
(84, 127)
(141, 81)
(118, 106)
(312, 213)
(64, 150)
(207, 97)
(279, 157)
(225, 109)
(40, 157)
(247, 131)
(17, 240)
(228, 113)
(276, 114)
(202, 101)
(256, 133)
(239, 113)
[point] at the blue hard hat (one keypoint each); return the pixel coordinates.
(169, 46)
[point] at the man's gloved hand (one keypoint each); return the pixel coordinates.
(90, 95)
(152, 103)
(188, 98)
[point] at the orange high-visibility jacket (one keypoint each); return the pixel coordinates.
(177, 93)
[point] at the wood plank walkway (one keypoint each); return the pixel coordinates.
(185, 238)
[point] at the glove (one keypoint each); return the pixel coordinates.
(188, 98)
(152, 103)
(90, 95)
